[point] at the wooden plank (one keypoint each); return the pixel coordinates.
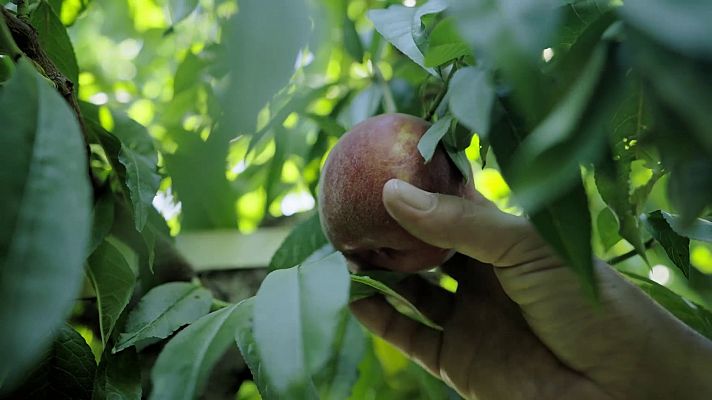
(230, 249)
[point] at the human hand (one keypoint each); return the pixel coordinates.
(519, 326)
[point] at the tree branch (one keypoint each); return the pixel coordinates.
(619, 259)
(27, 40)
(441, 95)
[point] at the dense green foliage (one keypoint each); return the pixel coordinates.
(192, 115)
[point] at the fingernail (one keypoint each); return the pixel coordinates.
(411, 195)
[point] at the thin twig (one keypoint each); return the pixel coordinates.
(619, 259)
(441, 95)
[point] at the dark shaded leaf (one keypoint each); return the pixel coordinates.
(118, 377)
(44, 216)
(681, 25)
(306, 238)
(700, 229)
(564, 222)
(497, 28)
(547, 161)
(510, 35)
(103, 219)
(66, 372)
(113, 281)
(183, 367)
(162, 311)
(676, 246)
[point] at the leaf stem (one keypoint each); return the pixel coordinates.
(441, 95)
(619, 259)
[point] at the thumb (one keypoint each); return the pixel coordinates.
(474, 227)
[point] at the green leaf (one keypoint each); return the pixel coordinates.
(260, 66)
(510, 35)
(118, 377)
(102, 220)
(296, 312)
(577, 18)
(445, 44)
(183, 367)
(340, 373)
(246, 342)
(395, 24)
(187, 73)
(471, 98)
(138, 156)
(418, 29)
(306, 238)
(65, 373)
(680, 83)
(681, 25)
(162, 311)
(612, 173)
(180, 9)
(55, 41)
(461, 162)
(431, 138)
(613, 183)
(113, 281)
(44, 215)
(693, 315)
(565, 222)
(578, 39)
(700, 229)
(352, 42)
(676, 246)
(205, 194)
(547, 162)
(368, 286)
(497, 27)
(607, 224)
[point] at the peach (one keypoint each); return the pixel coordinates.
(351, 209)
